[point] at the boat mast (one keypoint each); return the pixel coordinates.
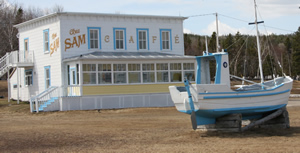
(217, 37)
(258, 45)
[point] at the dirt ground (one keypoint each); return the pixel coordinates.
(132, 130)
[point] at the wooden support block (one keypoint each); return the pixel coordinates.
(228, 123)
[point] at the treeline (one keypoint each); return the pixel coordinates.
(280, 53)
(12, 14)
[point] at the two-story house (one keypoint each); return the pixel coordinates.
(81, 61)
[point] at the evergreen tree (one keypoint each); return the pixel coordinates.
(296, 53)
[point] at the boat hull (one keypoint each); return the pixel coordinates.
(214, 101)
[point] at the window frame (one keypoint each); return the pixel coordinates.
(73, 78)
(161, 39)
(161, 71)
(25, 77)
(45, 75)
(138, 70)
(89, 72)
(138, 39)
(124, 38)
(44, 41)
(105, 72)
(99, 37)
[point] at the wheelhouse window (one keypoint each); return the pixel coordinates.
(89, 73)
(120, 73)
(119, 38)
(189, 71)
(165, 39)
(46, 40)
(134, 73)
(142, 39)
(148, 73)
(104, 74)
(175, 72)
(162, 72)
(94, 38)
(28, 77)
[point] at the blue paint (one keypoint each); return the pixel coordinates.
(47, 103)
(46, 31)
(246, 96)
(198, 75)
(218, 69)
(124, 38)
(187, 86)
(170, 37)
(137, 37)
(205, 117)
(99, 35)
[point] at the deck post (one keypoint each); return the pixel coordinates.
(18, 83)
(36, 105)
(8, 86)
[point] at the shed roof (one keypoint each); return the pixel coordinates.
(127, 55)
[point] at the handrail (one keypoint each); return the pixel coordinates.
(260, 84)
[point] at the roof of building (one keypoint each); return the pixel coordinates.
(127, 55)
(95, 14)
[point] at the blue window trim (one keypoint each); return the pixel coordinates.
(27, 45)
(46, 30)
(25, 76)
(137, 37)
(71, 81)
(125, 44)
(170, 36)
(45, 68)
(99, 34)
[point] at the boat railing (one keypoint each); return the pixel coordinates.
(243, 79)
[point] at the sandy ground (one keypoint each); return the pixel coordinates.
(133, 130)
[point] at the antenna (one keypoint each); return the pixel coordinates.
(217, 36)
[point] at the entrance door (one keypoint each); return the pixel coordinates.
(26, 48)
(47, 77)
(73, 80)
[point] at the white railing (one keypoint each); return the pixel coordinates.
(53, 93)
(3, 62)
(39, 101)
(71, 91)
(26, 57)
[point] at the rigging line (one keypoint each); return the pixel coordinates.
(233, 18)
(201, 15)
(239, 50)
(240, 38)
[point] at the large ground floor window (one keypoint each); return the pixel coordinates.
(137, 73)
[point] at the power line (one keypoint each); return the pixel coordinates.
(241, 20)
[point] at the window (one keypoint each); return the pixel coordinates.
(134, 73)
(175, 72)
(189, 71)
(28, 77)
(162, 72)
(73, 76)
(148, 73)
(142, 39)
(26, 47)
(120, 73)
(47, 77)
(94, 36)
(89, 73)
(104, 74)
(120, 38)
(165, 39)
(68, 69)
(77, 70)
(46, 40)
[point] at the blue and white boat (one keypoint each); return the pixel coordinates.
(206, 101)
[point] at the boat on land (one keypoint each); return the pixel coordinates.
(206, 101)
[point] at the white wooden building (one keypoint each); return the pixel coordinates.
(81, 61)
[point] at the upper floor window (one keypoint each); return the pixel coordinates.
(165, 39)
(120, 39)
(46, 40)
(94, 36)
(142, 39)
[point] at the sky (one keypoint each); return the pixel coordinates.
(279, 16)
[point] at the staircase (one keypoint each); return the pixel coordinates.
(4, 64)
(45, 99)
